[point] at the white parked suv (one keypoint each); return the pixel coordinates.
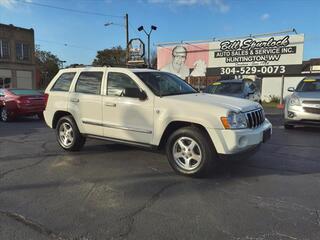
(156, 109)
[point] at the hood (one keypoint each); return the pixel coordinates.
(305, 95)
(226, 102)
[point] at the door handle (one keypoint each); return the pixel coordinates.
(75, 100)
(110, 104)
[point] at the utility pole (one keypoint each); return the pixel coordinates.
(127, 36)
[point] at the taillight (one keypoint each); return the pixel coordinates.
(46, 97)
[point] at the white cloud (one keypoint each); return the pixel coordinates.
(7, 3)
(265, 16)
(221, 5)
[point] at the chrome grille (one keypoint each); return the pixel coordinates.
(255, 118)
(312, 110)
(311, 102)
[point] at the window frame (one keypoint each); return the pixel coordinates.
(54, 90)
(107, 84)
(2, 56)
(23, 45)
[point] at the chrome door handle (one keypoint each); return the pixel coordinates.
(110, 104)
(75, 100)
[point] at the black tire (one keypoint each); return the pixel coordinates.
(288, 126)
(209, 157)
(77, 139)
(40, 116)
(4, 115)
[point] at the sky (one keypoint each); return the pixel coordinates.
(76, 36)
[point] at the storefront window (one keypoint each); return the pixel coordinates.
(5, 82)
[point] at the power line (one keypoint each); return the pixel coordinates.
(67, 45)
(69, 9)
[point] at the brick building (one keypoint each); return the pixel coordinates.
(17, 59)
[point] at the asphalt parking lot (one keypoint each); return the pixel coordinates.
(110, 191)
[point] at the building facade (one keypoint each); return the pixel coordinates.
(17, 58)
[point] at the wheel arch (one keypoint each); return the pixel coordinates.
(57, 116)
(175, 125)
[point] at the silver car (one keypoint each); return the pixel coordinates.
(303, 106)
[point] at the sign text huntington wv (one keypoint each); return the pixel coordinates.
(279, 55)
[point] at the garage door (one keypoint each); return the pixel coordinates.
(24, 79)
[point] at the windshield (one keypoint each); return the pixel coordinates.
(227, 88)
(309, 85)
(165, 84)
(24, 92)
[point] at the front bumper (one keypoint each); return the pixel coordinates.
(238, 141)
(302, 115)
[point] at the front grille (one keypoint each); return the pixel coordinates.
(255, 118)
(311, 102)
(311, 110)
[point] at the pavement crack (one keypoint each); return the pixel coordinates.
(151, 201)
(2, 175)
(33, 225)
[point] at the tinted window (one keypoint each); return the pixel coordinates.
(63, 83)
(23, 92)
(208, 89)
(309, 85)
(89, 82)
(118, 82)
(227, 88)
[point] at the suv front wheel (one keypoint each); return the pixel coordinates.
(68, 134)
(190, 152)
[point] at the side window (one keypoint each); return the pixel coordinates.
(1, 93)
(89, 82)
(118, 82)
(63, 82)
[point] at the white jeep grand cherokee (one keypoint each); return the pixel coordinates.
(150, 108)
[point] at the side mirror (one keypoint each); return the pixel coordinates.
(291, 89)
(135, 93)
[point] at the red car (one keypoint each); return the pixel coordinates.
(20, 102)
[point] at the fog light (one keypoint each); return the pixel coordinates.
(291, 114)
(243, 141)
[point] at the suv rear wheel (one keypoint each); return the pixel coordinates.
(68, 134)
(190, 152)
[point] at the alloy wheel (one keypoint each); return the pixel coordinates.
(66, 136)
(187, 153)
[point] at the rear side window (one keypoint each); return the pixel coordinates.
(89, 82)
(118, 82)
(63, 83)
(1, 93)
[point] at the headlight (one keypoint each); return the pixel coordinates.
(294, 101)
(234, 121)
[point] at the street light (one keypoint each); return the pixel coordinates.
(153, 28)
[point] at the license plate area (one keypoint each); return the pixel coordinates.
(266, 135)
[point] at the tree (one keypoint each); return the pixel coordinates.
(48, 64)
(113, 57)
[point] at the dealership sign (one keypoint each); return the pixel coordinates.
(275, 55)
(258, 56)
